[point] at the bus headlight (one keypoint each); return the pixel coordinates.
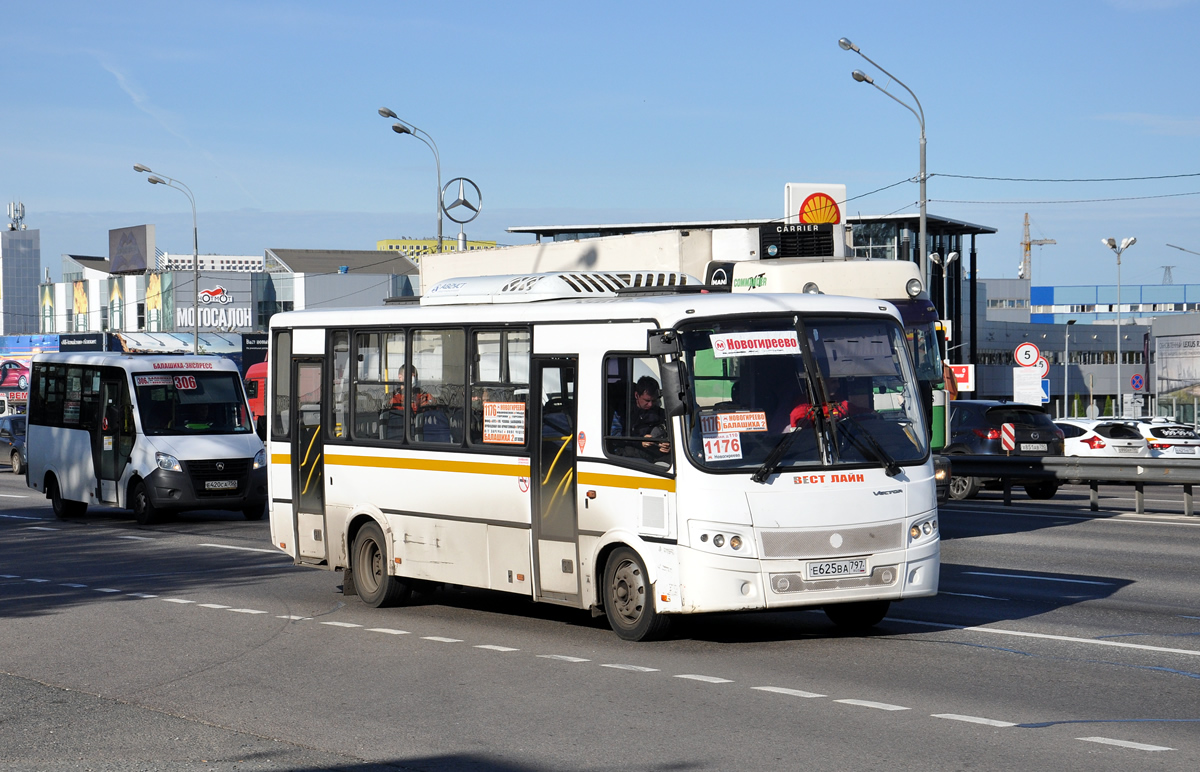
(913, 288)
(167, 462)
(260, 459)
(923, 529)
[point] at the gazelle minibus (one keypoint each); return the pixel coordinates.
(607, 441)
(155, 434)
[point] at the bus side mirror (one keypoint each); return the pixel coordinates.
(674, 395)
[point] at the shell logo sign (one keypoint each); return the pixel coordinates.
(819, 208)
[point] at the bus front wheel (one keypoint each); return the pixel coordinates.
(63, 508)
(369, 562)
(629, 598)
(144, 510)
(859, 616)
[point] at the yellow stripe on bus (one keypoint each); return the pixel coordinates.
(431, 465)
(281, 458)
(626, 481)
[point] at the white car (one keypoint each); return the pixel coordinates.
(1090, 438)
(1167, 438)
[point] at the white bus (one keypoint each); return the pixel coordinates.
(155, 434)
(505, 433)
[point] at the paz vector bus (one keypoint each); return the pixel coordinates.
(612, 441)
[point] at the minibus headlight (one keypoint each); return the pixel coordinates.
(260, 459)
(167, 462)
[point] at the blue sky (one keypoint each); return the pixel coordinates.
(614, 112)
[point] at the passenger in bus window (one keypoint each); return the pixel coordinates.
(648, 420)
(420, 398)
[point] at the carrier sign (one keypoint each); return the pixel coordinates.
(734, 344)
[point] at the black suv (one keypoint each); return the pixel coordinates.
(975, 426)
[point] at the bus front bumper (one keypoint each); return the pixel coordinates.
(178, 491)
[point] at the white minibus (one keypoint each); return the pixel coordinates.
(155, 434)
(607, 441)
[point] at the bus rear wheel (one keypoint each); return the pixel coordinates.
(63, 508)
(629, 599)
(369, 564)
(859, 616)
(144, 510)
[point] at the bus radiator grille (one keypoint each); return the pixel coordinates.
(201, 472)
(795, 543)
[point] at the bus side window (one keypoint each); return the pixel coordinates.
(499, 387)
(340, 350)
(636, 426)
(281, 386)
(439, 357)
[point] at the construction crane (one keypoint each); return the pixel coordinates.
(1026, 269)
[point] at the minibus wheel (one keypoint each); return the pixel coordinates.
(254, 513)
(63, 508)
(629, 598)
(144, 510)
(859, 616)
(369, 562)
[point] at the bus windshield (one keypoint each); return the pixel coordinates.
(784, 391)
(191, 402)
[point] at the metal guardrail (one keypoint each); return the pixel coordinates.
(1139, 472)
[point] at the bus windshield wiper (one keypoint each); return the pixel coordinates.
(771, 463)
(868, 445)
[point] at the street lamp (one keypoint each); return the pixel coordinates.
(862, 77)
(937, 259)
(404, 127)
(185, 190)
(1125, 244)
(1067, 366)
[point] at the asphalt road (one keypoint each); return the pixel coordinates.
(1061, 639)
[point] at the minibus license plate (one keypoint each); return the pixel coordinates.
(830, 568)
(1034, 446)
(220, 485)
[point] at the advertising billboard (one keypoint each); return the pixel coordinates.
(131, 250)
(79, 305)
(160, 303)
(226, 303)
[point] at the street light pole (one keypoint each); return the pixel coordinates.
(1067, 368)
(862, 77)
(163, 179)
(404, 127)
(1111, 243)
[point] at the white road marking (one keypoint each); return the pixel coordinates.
(9, 576)
(22, 517)
(1038, 578)
(705, 678)
(490, 647)
(106, 589)
(634, 668)
(869, 704)
(245, 549)
(1046, 636)
(973, 719)
(11, 496)
(788, 692)
(440, 639)
(341, 624)
(1124, 744)
(293, 617)
(37, 581)
(140, 595)
(177, 600)
(136, 538)
(1120, 517)
(563, 658)
(969, 595)
(41, 528)
(72, 584)
(212, 605)
(1181, 616)
(256, 611)
(387, 630)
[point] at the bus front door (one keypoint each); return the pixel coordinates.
(555, 516)
(112, 445)
(308, 458)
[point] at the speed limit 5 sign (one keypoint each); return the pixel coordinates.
(1027, 355)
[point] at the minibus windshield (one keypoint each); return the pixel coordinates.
(786, 391)
(191, 402)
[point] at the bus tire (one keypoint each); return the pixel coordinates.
(962, 488)
(1042, 491)
(63, 508)
(859, 616)
(369, 562)
(144, 511)
(629, 598)
(16, 463)
(254, 512)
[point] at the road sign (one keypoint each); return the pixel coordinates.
(1136, 382)
(965, 375)
(1042, 367)
(1045, 391)
(1008, 437)
(1026, 354)
(1027, 386)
